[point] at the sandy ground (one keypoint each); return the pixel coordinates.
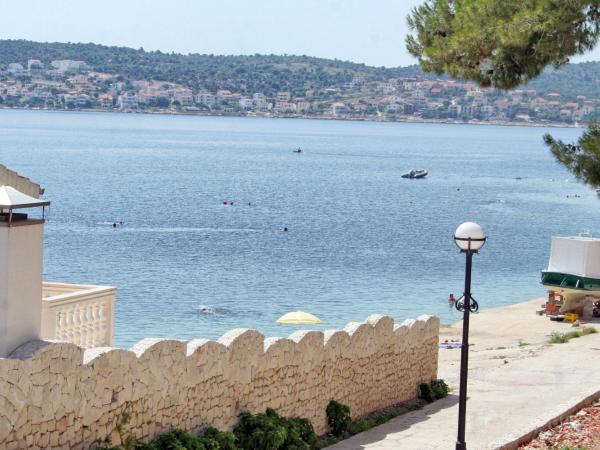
(507, 333)
(517, 382)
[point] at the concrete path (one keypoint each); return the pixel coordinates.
(517, 383)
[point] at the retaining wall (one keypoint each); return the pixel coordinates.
(57, 395)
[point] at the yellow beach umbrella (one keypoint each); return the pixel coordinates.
(298, 318)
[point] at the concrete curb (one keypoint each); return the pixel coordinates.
(512, 443)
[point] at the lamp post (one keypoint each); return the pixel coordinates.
(469, 237)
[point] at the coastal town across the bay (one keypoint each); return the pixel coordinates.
(75, 85)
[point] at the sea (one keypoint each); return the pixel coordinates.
(360, 239)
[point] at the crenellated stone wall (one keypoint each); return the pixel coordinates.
(57, 395)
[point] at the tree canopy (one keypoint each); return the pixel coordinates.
(501, 43)
(504, 43)
(582, 159)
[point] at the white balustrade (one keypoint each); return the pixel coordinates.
(76, 313)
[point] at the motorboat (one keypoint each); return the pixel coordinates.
(298, 150)
(415, 173)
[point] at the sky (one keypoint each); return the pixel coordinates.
(364, 31)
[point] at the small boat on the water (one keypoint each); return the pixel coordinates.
(298, 150)
(415, 173)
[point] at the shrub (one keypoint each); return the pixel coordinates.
(561, 338)
(426, 392)
(338, 417)
(588, 330)
(433, 391)
(268, 431)
(440, 389)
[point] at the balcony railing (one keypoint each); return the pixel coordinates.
(78, 313)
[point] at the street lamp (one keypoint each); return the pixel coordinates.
(469, 237)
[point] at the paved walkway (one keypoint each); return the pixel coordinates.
(513, 388)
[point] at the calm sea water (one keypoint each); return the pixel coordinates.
(361, 239)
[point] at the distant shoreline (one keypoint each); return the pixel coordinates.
(311, 117)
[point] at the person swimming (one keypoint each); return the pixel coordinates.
(205, 309)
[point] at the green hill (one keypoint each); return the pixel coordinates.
(255, 73)
(259, 73)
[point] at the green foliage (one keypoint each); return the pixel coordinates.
(338, 417)
(433, 391)
(562, 338)
(426, 392)
(440, 389)
(212, 439)
(501, 43)
(269, 431)
(242, 73)
(581, 159)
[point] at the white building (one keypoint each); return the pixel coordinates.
(206, 98)
(259, 100)
(68, 65)
(283, 96)
(245, 103)
(33, 309)
(128, 100)
(302, 106)
(185, 97)
(35, 66)
(386, 87)
(339, 108)
(105, 101)
(15, 69)
(285, 107)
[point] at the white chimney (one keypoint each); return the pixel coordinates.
(21, 265)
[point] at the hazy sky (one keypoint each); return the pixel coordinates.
(369, 31)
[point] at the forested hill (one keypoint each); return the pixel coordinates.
(255, 73)
(259, 73)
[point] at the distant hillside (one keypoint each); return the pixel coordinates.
(570, 80)
(256, 73)
(260, 73)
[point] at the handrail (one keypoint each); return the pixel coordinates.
(80, 314)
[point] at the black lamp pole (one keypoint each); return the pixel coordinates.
(467, 305)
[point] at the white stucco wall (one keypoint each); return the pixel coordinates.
(21, 268)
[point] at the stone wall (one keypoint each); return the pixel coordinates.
(57, 395)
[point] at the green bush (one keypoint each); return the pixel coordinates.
(426, 392)
(338, 417)
(268, 431)
(433, 391)
(440, 389)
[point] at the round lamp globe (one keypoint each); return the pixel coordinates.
(469, 236)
